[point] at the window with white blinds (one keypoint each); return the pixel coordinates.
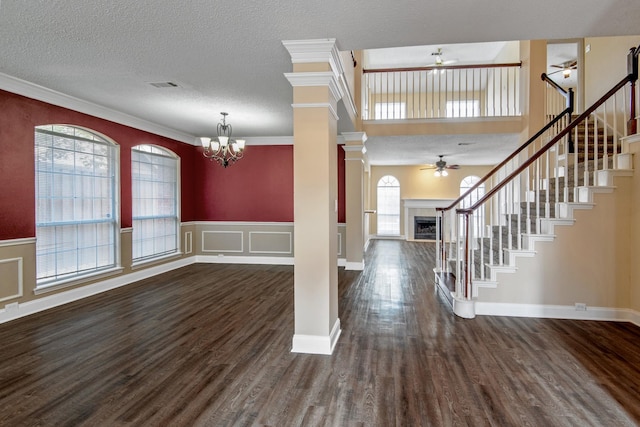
(76, 205)
(388, 208)
(154, 180)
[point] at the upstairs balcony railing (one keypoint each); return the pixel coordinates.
(439, 92)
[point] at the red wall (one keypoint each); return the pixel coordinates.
(19, 116)
(257, 188)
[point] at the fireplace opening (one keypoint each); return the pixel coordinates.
(424, 227)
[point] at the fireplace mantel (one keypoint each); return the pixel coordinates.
(419, 207)
(426, 203)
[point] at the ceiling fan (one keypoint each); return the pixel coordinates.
(565, 67)
(441, 167)
(439, 61)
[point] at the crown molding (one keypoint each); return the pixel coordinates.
(320, 78)
(354, 149)
(359, 137)
(50, 96)
(269, 140)
(315, 50)
(327, 105)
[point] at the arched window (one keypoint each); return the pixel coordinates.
(388, 209)
(76, 203)
(155, 208)
(474, 196)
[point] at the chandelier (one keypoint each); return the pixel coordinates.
(225, 150)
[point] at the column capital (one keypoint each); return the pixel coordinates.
(315, 50)
(354, 138)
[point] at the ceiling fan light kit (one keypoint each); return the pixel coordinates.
(441, 167)
(565, 68)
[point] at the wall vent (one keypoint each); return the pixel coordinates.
(164, 84)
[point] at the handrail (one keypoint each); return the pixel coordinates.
(441, 67)
(545, 77)
(505, 161)
(545, 148)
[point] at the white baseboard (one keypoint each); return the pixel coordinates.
(226, 259)
(557, 312)
(317, 344)
(17, 310)
(357, 266)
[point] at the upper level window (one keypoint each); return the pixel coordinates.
(390, 110)
(76, 203)
(464, 108)
(154, 180)
(388, 209)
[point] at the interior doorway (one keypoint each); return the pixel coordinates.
(565, 59)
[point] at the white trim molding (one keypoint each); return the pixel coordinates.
(226, 259)
(41, 93)
(18, 242)
(20, 284)
(317, 344)
(355, 266)
(327, 105)
(315, 51)
(316, 79)
(17, 310)
(235, 250)
(557, 312)
(288, 251)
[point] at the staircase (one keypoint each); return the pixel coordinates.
(537, 189)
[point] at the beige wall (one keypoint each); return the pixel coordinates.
(605, 64)
(634, 230)
(587, 262)
(420, 184)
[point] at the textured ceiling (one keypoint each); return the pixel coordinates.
(228, 56)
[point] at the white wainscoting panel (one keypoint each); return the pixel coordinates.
(188, 242)
(271, 242)
(222, 241)
(12, 278)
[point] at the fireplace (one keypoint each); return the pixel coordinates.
(424, 228)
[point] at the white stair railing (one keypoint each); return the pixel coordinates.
(535, 186)
(541, 190)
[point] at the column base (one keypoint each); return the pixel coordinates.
(358, 266)
(317, 344)
(464, 308)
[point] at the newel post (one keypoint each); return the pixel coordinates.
(632, 69)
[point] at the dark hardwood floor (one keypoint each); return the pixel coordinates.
(210, 345)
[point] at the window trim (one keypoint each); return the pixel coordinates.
(165, 152)
(51, 284)
(378, 186)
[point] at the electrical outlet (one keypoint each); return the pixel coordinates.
(580, 306)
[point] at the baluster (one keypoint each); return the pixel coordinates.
(605, 141)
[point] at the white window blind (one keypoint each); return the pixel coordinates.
(388, 209)
(75, 203)
(154, 180)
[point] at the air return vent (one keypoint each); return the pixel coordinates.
(164, 84)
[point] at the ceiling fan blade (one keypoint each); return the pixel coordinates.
(453, 166)
(556, 66)
(555, 72)
(427, 167)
